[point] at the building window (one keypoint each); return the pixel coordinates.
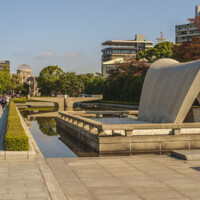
(116, 51)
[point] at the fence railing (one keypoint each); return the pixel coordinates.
(98, 128)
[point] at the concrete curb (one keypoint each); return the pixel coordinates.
(186, 154)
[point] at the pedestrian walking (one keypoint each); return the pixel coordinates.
(3, 101)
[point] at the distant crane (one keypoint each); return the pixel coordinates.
(161, 39)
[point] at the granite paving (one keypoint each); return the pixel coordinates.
(141, 177)
(22, 180)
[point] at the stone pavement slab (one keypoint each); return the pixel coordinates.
(147, 177)
(22, 180)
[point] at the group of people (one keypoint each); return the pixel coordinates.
(4, 100)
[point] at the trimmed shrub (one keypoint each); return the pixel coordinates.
(20, 100)
(15, 137)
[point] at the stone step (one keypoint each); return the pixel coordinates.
(187, 154)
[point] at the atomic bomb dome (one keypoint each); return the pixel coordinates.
(24, 72)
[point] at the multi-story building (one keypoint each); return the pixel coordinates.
(114, 49)
(185, 32)
(3, 63)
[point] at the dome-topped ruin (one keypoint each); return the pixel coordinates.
(24, 67)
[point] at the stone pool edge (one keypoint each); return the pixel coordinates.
(22, 155)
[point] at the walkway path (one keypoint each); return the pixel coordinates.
(127, 178)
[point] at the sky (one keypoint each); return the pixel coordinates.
(69, 33)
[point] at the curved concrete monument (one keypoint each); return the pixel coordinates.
(169, 91)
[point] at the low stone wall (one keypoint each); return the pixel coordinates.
(88, 138)
(180, 136)
(148, 143)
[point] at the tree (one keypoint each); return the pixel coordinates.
(188, 51)
(48, 80)
(5, 79)
(161, 50)
(129, 66)
(94, 84)
(22, 89)
(16, 80)
(125, 81)
(68, 83)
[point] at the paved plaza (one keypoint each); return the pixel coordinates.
(138, 177)
(147, 177)
(21, 180)
(143, 177)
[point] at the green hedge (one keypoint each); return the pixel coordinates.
(20, 100)
(15, 137)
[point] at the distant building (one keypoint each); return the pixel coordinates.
(185, 32)
(24, 71)
(113, 49)
(3, 63)
(108, 65)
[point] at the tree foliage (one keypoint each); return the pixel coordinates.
(161, 50)
(5, 79)
(91, 83)
(68, 83)
(22, 89)
(16, 80)
(48, 80)
(188, 51)
(125, 81)
(129, 66)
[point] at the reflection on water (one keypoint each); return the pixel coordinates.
(50, 146)
(52, 142)
(80, 149)
(47, 125)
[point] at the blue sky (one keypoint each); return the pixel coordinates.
(69, 33)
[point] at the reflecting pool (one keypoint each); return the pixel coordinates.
(52, 142)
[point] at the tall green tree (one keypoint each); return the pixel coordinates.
(160, 50)
(68, 83)
(5, 79)
(48, 80)
(22, 89)
(94, 84)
